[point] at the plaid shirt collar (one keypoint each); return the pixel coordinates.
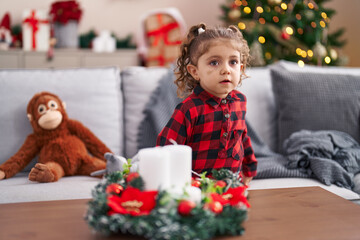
(213, 100)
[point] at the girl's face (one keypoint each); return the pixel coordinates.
(219, 69)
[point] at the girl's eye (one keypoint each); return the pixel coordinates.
(234, 62)
(214, 63)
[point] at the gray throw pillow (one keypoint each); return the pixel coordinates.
(158, 111)
(314, 101)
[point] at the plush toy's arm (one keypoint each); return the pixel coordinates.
(22, 158)
(95, 146)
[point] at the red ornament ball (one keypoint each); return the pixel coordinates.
(185, 207)
(132, 176)
(285, 36)
(195, 183)
(114, 188)
(214, 206)
(220, 183)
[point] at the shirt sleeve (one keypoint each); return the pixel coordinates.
(177, 128)
(249, 164)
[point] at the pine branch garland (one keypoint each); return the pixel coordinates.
(165, 221)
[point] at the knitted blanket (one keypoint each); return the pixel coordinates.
(333, 157)
(270, 164)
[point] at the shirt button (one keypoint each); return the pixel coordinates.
(223, 101)
(225, 134)
(227, 115)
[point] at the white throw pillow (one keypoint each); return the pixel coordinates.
(137, 84)
(261, 112)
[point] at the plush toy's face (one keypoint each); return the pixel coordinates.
(47, 111)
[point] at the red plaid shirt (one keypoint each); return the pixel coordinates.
(215, 129)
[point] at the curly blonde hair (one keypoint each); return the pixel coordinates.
(196, 44)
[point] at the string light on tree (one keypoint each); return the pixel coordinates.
(284, 6)
(327, 59)
(238, 2)
(247, 10)
(241, 25)
(322, 24)
(289, 30)
(301, 63)
(310, 5)
(310, 53)
(259, 9)
(261, 39)
(298, 51)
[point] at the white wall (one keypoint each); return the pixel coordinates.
(122, 16)
(346, 12)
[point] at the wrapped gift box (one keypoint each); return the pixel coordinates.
(35, 30)
(164, 38)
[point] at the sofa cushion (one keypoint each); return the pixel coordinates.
(315, 101)
(92, 96)
(20, 189)
(138, 83)
(261, 109)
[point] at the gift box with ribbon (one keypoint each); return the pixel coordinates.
(35, 30)
(161, 34)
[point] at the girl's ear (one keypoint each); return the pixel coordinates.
(193, 71)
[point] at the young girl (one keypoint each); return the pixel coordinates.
(211, 119)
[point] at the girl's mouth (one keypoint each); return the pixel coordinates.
(225, 81)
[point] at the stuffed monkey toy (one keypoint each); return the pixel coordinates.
(61, 143)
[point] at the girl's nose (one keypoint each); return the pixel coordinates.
(225, 70)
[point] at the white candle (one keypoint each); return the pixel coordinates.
(179, 165)
(154, 168)
(194, 194)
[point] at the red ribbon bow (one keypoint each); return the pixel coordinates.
(163, 31)
(34, 22)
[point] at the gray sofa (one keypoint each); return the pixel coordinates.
(111, 104)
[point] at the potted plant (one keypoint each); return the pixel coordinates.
(65, 16)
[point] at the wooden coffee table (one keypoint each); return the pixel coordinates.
(276, 214)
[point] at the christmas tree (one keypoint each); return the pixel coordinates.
(293, 30)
